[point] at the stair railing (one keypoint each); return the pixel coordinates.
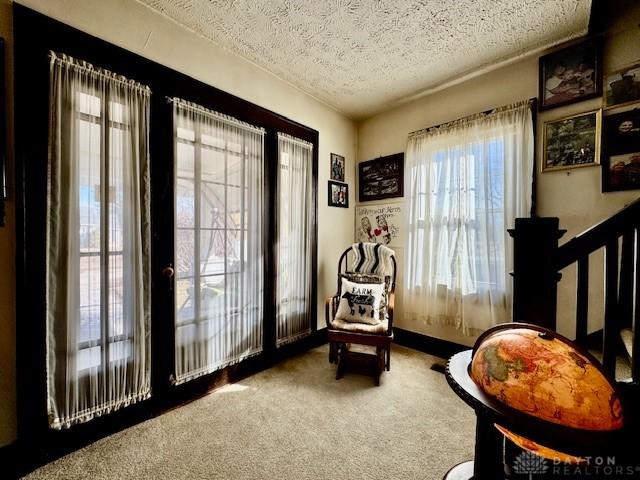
(539, 259)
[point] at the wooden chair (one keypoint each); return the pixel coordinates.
(342, 334)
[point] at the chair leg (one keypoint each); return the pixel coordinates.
(380, 364)
(388, 358)
(332, 352)
(341, 361)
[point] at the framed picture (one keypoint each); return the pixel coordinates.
(571, 75)
(338, 194)
(572, 142)
(622, 86)
(381, 178)
(621, 151)
(337, 167)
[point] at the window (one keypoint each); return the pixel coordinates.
(472, 193)
(101, 195)
(295, 224)
(218, 240)
(98, 302)
(467, 182)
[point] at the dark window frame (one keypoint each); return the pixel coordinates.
(31, 75)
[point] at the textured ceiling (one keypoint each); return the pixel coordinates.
(362, 56)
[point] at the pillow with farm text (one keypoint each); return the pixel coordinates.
(360, 302)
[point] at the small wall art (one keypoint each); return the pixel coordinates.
(621, 151)
(337, 167)
(622, 86)
(338, 194)
(381, 178)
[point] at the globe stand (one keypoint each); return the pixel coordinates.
(488, 458)
(489, 463)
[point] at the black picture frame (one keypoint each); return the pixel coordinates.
(381, 178)
(622, 86)
(336, 167)
(580, 79)
(333, 191)
(3, 135)
(621, 151)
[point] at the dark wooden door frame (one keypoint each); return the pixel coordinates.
(34, 35)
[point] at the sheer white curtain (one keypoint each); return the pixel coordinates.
(98, 299)
(219, 230)
(466, 181)
(295, 229)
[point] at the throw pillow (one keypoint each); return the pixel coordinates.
(360, 302)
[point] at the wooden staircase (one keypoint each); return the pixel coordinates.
(539, 261)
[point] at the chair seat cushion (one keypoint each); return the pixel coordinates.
(378, 328)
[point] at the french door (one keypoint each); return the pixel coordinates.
(213, 277)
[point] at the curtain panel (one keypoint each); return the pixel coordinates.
(467, 181)
(97, 267)
(295, 235)
(219, 240)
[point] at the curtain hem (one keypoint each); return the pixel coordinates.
(445, 321)
(292, 338)
(179, 380)
(84, 416)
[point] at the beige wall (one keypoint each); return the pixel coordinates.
(130, 25)
(575, 197)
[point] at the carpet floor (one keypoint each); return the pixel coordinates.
(295, 422)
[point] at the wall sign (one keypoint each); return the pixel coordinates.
(380, 224)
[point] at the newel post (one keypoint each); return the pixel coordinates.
(535, 276)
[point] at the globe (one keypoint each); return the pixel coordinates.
(545, 376)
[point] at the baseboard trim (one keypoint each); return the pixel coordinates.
(424, 343)
(8, 461)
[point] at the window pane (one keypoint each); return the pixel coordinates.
(212, 294)
(213, 165)
(212, 205)
(185, 160)
(212, 251)
(186, 134)
(89, 186)
(185, 205)
(185, 249)
(116, 295)
(90, 285)
(88, 104)
(234, 170)
(234, 207)
(185, 300)
(234, 240)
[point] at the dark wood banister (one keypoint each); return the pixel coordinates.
(539, 259)
(596, 237)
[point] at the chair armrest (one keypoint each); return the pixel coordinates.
(330, 310)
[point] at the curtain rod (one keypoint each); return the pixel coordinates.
(290, 138)
(461, 119)
(99, 72)
(213, 114)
